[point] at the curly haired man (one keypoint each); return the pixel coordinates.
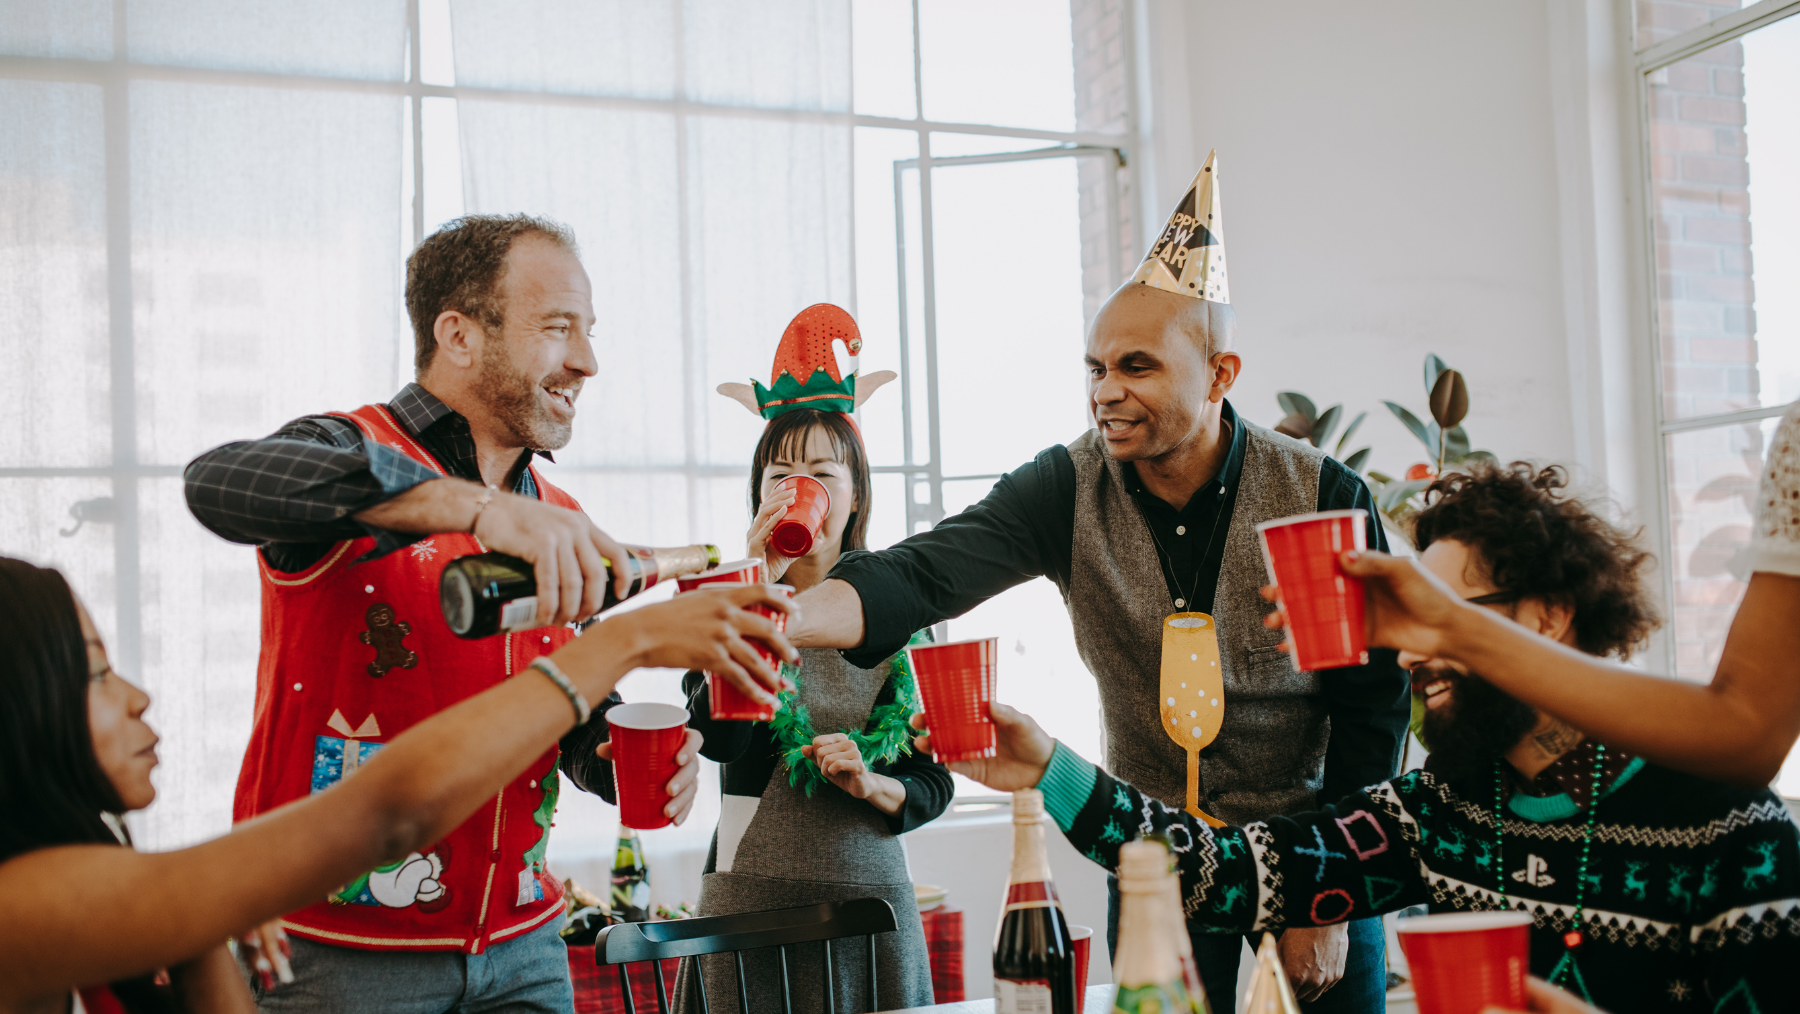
(1650, 890)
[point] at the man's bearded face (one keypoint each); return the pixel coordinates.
(1469, 722)
(532, 408)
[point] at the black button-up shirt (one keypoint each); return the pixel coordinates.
(293, 495)
(1025, 528)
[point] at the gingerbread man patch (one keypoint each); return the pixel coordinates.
(387, 635)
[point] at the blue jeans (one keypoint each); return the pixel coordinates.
(529, 975)
(1362, 990)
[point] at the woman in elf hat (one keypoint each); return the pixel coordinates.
(815, 800)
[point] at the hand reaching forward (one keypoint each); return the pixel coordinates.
(1408, 607)
(1022, 754)
(703, 629)
(1543, 998)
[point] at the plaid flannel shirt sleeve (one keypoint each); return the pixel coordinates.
(302, 484)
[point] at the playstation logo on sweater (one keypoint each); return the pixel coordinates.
(1536, 873)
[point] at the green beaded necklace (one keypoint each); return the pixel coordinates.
(1573, 939)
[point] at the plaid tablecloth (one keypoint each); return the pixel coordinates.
(597, 986)
(944, 939)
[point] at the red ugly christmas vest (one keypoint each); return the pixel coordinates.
(353, 654)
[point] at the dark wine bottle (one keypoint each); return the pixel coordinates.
(630, 880)
(490, 593)
(1034, 959)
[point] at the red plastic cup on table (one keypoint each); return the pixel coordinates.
(645, 739)
(728, 702)
(798, 528)
(1324, 605)
(1465, 962)
(956, 681)
(1083, 939)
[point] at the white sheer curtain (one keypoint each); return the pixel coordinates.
(199, 222)
(202, 217)
(701, 153)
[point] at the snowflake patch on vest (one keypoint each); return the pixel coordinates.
(387, 636)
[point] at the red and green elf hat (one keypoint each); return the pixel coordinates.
(805, 374)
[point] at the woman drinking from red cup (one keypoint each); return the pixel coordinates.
(814, 800)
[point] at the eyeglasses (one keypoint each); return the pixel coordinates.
(1499, 598)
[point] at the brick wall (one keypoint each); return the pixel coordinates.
(1102, 103)
(1700, 174)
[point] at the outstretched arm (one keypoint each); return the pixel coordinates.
(167, 908)
(1737, 728)
(1355, 857)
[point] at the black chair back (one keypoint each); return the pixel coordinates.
(688, 939)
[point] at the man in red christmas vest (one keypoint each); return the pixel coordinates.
(354, 515)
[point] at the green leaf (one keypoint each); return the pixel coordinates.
(1351, 430)
(1449, 399)
(1327, 422)
(1399, 492)
(1456, 444)
(1295, 403)
(1294, 425)
(1477, 456)
(1433, 367)
(1412, 423)
(1356, 461)
(1381, 478)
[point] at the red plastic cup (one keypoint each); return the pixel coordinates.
(1083, 939)
(728, 702)
(1324, 605)
(645, 740)
(1465, 962)
(738, 572)
(795, 532)
(956, 681)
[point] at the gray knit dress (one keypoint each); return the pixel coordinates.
(775, 847)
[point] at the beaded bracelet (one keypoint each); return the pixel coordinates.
(543, 664)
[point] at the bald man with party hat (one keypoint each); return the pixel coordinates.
(1147, 525)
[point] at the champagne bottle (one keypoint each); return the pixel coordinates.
(1034, 959)
(1177, 923)
(630, 880)
(490, 593)
(1148, 965)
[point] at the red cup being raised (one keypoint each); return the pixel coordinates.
(728, 702)
(799, 527)
(956, 682)
(1324, 605)
(645, 740)
(1465, 962)
(1083, 939)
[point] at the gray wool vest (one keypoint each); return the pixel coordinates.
(1269, 757)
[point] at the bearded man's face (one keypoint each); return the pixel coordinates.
(531, 370)
(1469, 723)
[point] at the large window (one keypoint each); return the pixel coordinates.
(1721, 87)
(206, 206)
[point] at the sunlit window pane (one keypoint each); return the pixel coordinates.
(999, 61)
(882, 61)
(1725, 150)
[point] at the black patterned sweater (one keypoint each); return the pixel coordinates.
(1692, 888)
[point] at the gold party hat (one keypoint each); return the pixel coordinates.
(1268, 991)
(1188, 258)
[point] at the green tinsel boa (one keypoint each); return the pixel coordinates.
(887, 736)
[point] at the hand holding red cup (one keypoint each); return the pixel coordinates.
(728, 702)
(956, 682)
(1324, 605)
(646, 739)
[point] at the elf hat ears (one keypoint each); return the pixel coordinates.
(744, 395)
